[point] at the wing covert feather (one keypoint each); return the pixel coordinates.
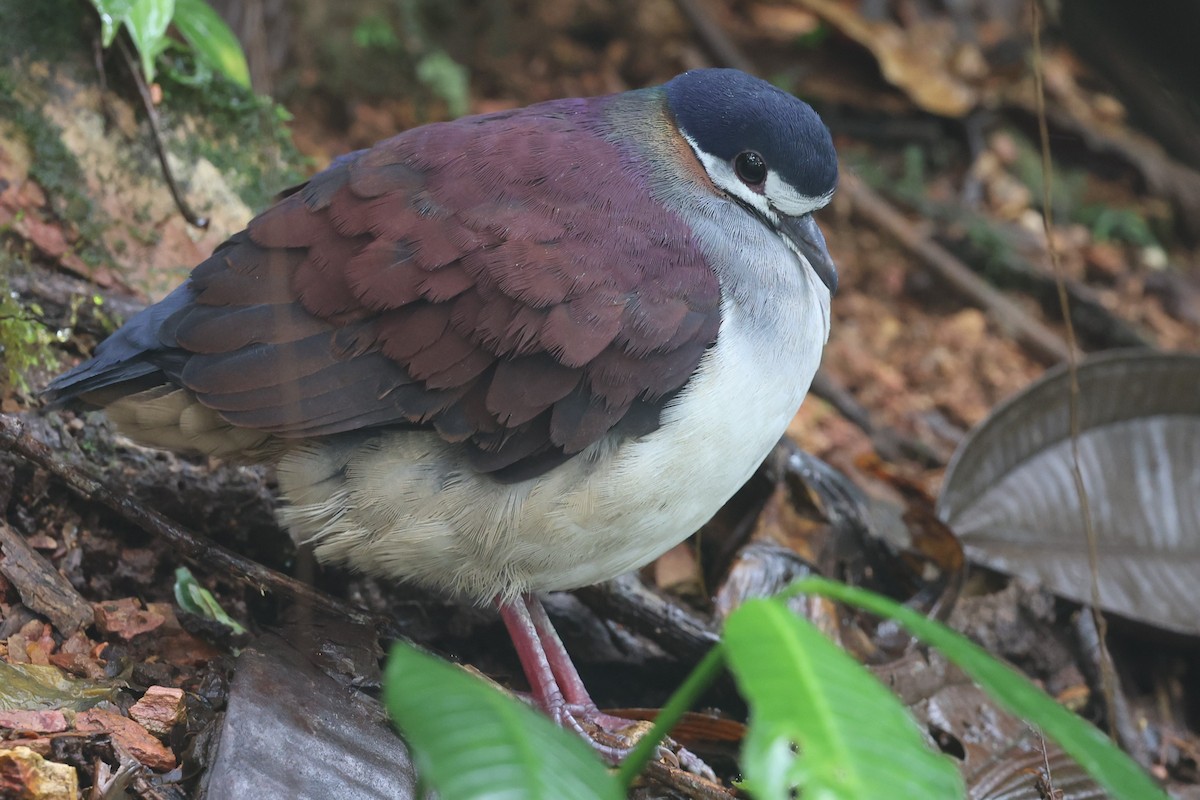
(506, 280)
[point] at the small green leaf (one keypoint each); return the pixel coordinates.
(446, 78)
(374, 31)
(211, 39)
(820, 723)
(195, 599)
(470, 741)
(147, 22)
(112, 14)
(1102, 759)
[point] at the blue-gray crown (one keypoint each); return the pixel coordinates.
(726, 112)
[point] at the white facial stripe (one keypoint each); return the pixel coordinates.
(778, 195)
(721, 173)
(789, 201)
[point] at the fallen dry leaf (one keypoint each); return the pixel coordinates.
(925, 60)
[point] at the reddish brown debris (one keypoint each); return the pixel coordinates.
(32, 644)
(77, 655)
(175, 645)
(35, 721)
(126, 618)
(159, 709)
(129, 735)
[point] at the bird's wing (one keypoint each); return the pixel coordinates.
(507, 281)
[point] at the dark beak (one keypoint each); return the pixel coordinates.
(804, 233)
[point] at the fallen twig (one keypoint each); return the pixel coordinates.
(627, 600)
(41, 587)
(890, 444)
(16, 439)
(1043, 343)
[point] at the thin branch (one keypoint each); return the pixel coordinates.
(156, 136)
(1042, 342)
(15, 438)
(1108, 676)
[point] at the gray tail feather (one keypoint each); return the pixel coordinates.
(135, 351)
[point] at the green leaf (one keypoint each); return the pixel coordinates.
(685, 697)
(375, 31)
(447, 79)
(147, 22)
(820, 723)
(195, 599)
(211, 39)
(1102, 759)
(34, 687)
(112, 15)
(470, 741)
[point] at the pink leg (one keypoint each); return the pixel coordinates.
(573, 690)
(543, 680)
(533, 658)
(559, 690)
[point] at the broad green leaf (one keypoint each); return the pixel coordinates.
(685, 697)
(211, 39)
(35, 687)
(112, 14)
(470, 741)
(147, 21)
(820, 723)
(1102, 759)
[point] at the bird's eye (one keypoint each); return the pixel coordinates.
(750, 167)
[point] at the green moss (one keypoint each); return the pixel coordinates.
(230, 118)
(50, 29)
(54, 168)
(27, 343)
(243, 135)
(1116, 224)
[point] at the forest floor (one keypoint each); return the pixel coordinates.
(948, 305)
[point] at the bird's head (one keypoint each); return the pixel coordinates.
(765, 149)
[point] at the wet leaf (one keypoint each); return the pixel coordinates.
(470, 741)
(1094, 751)
(291, 729)
(819, 722)
(1009, 492)
(211, 39)
(35, 687)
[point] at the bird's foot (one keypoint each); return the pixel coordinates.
(615, 737)
(559, 691)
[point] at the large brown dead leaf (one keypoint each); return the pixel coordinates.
(1010, 495)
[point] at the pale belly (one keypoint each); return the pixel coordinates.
(407, 505)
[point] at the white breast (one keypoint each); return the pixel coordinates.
(407, 505)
